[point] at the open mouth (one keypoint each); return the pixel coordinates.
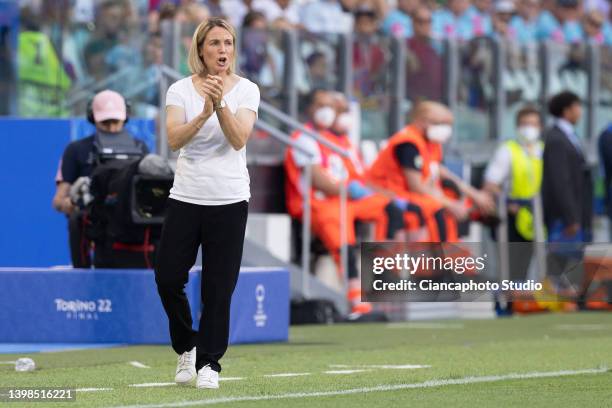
(222, 61)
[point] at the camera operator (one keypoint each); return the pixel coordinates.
(108, 111)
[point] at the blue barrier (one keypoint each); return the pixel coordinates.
(34, 234)
(41, 305)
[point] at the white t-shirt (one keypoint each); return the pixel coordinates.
(208, 170)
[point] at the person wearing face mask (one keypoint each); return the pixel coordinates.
(518, 163)
(329, 171)
(367, 203)
(516, 168)
(411, 167)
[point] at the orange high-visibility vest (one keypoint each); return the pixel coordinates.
(386, 170)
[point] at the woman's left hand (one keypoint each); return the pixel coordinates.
(213, 86)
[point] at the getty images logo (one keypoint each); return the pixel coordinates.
(260, 316)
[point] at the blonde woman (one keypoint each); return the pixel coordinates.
(209, 117)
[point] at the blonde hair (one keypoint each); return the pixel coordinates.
(194, 60)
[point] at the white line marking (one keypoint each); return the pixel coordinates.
(579, 327)
(383, 366)
(138, 364)
(390, 387)
(93, 389)
(286, 375)
(152, 385)
(344, 371)
(170, 384)
(7, 362)
(428, 326)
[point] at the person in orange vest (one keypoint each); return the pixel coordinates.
(411, 167)
(329, 171)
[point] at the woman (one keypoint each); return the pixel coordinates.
(210, 116)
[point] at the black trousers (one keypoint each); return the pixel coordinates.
(220, 230)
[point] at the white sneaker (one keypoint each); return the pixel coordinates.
(185, 369)
(207, 378)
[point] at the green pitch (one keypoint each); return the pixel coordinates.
(545, 361)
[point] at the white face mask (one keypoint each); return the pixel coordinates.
(324, 117)
(439, 133)
(529, 134)
(344, 122)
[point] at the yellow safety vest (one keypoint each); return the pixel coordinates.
(525, 184)
(43, 82)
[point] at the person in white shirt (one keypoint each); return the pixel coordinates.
(516, 172)
(209, 117)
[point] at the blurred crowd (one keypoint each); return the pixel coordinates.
(520, 20)
(83, 42)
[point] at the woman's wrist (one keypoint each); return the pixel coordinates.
(199, 120)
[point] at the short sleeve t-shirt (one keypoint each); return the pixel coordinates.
(408, 156)
(209, 171)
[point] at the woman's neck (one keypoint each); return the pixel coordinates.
(223, 74)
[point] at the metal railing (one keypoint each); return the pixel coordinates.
(538, 241)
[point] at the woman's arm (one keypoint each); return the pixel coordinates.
(181, 133)
(236, 128)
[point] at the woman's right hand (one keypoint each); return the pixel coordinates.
(208, 108)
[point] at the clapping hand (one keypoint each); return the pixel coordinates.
(208, 109)
(213, 87)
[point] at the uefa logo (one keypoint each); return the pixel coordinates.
(260, 316)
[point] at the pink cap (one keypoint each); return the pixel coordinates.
(108, 105)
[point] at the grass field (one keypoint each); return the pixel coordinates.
(535, 361)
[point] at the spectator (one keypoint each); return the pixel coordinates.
(368, 55)
(605, 155)
(592, 25)
(607, 28)
(562, 25)
(325, 16)
(108, 113)
(153, 59)
(424, 70)
(318, 71)
(192, 13)
(457, 21)
(215, 7)
(254, 50)
(101, 54)
(482, 16)
(566, 183)
(603, 6)
(501, 21)
(287, 10)
(525, 21)
(398, 22)
(236, 10)
(516, 171)
(164, 11)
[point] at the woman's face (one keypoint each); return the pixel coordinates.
(217, 51)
